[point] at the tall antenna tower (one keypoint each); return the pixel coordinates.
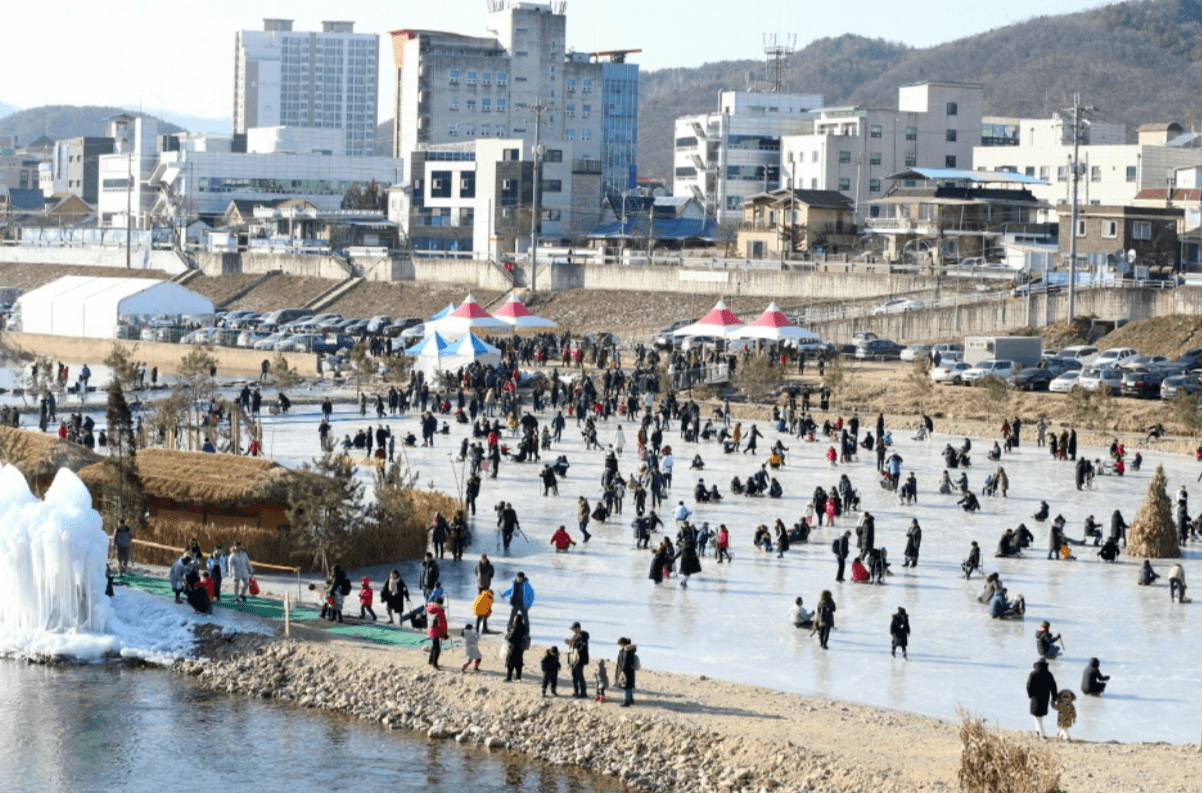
(776, 49)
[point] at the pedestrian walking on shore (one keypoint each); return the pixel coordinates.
(578, 660)
(1041, 690)
(550, 666)
(625, 669)
(471, 647)
(436, 629)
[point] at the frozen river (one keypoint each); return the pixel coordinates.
(731, 622)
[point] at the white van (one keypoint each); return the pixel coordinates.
(1082, 354)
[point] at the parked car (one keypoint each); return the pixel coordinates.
(879, 348)
(413, 334)
(990, 367)
(1148, 361)
(950, 372)
(377, 323)
(333, 343)
(301, 342)
(1142, 382)
(1093, 379)
(700, 342)
(949, 351)
(898, 305)
(1180, 383)
(248, 338)
(1032, 379)
(915, 352)
(1114, 356)
(401, 325)
(1191, 357)
(1039, 286)
(1065, 382)
(664, 339)
(864, 335)
(1083, 353)
(270, 342)
(1058, 366)
(285, 315)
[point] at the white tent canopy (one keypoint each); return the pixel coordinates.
(469, 350)
(84, 306)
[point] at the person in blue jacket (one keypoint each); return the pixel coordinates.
(521, 596)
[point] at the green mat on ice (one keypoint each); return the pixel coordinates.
(382, 634)
(260, 607)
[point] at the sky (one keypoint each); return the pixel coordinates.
(179, 56)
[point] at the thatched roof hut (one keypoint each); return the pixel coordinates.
(39, 456)
(207, 488)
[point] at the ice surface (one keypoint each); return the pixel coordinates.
(52, 557)
(731, 622)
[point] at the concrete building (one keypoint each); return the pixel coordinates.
(123, 174)
(474, 197)
(852, 149)
(619, 125)
(1105, 234)
(721, 158)
(453, 88)
(325, 79)
(75, 168)
(1112, 170)
(778, 224)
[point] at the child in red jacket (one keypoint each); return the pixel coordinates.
(365, 599)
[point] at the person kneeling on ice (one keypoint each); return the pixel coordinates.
(1045, 641)
(1093, 682)
(1147, 575)
(969, 503)
(1066, 713)
(1110, 551)
(561, 540)
(1001, 609)
(799, 616)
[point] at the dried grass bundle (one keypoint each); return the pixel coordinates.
(39, 455)
(992, 763)
(1153, 533)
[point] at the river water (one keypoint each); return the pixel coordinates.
(108, 728)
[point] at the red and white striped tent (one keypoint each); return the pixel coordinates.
(773, 325)
(468, 317)
(720, 321)
(519, 317)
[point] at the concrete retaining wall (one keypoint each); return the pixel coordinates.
(230, 361)
(166, 261)
(261, 263)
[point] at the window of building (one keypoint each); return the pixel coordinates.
(1062, 173)
(586, 86)
(485, 130)
(521, 53)
(471, 130)
(911, 159)
(500, 105)
(486, 105)
(874, 185)
(569, 134)
(1141, 230)
(874, 158)
(686, 172)
(844, 157)
(814, 183)
(911, 133)
(734, 202)
(486, 78)
(471, 105)
(552, 215)
(1110, 229)
(570, 112)
(586, 134)
(500, 130)
(951, 136)
(454, 102)
(553, 155)
(471, 78)
(1095, 173)
(814, 158)
(500, 78)
(1081, 227)
(586, 111)
(949, 161)
(452, 129)
(686, 142)
(454, 76)
(952, 108)
(874, 131)
(1030, 170)
(1132, 173)
(844, 184)
(440, 184)
(570, 85)
(552, 186)
(1043, 172)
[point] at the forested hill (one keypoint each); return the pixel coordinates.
(1136, 61)
(65, 121)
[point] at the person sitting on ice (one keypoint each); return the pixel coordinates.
(763, 538)
(410, 439)
(973, 562)
(945, 484)
(969, 503)
(1147, 576)
(1137, 461)
(1119, 467)
(698, 464)
(1093, 529)
(996, 452)
(921, 435)
(700, 494)
(774, 489)
(736, 487)
(561, 540)
(993, 582)
(878, 565)
(859, 573)
(1042, 513)
(1000, 608)
(799, 616)
(1109, 551)
(1045, 642)
(1023, 537)
(962, 484)
(950, 458)
(800, 532)
(887, 438)
(714, 495)
(1007, 545)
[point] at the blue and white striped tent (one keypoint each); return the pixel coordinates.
(434, 344)
(467, 350)
(444, 313)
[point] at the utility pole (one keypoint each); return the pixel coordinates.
(129, 217)
(537, 109)
(1078, 111)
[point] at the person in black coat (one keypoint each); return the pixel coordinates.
(913, 543)
(1118, 528)
(1093, 682)
(1082, 467)
(1110, 551)
(1041, 690)
(973, 562)
(625, 670)
(1072, 445)
(689, 563)
(841, 552)
(660, 558)
(393, 594)
(515, 640)
(899, 631)
(1147, 575)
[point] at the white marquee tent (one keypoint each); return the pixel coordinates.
(78, 305)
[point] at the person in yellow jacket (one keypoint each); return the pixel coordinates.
(482, 608)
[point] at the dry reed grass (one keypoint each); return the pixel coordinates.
(1153, 534)
(215, 480)
(990, 762)
(372, 544)
(40, 456)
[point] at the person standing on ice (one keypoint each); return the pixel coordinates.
(177, 575)
(1041, 691)
(240, 568)
(899, 631)
(122, 538)
(841, 549)
(824, 617)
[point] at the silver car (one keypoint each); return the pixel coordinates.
(950, 372)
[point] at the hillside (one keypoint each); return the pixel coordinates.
(65, 121)
(1137, 61)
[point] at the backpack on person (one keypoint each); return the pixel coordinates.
(345, 587)
(835, 546)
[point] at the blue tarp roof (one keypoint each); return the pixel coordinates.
(433, 339)
(27, 199)
(471, 345)
(665, 229)
(956, 174)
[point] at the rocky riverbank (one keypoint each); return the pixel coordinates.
(686, 733)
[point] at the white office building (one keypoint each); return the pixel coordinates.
(325, 79)
(854, 149)
(453, 88)
(725, 156)
(1113, 171)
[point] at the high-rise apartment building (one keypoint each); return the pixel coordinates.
(453, 88)
(308, 79)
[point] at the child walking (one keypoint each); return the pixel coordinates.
(1066, 713)
(365, 599)
(550, 666)
(471, 646)
(601, 678)
(899, 629)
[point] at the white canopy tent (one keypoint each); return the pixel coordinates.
(773, 325)
(89, 307)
